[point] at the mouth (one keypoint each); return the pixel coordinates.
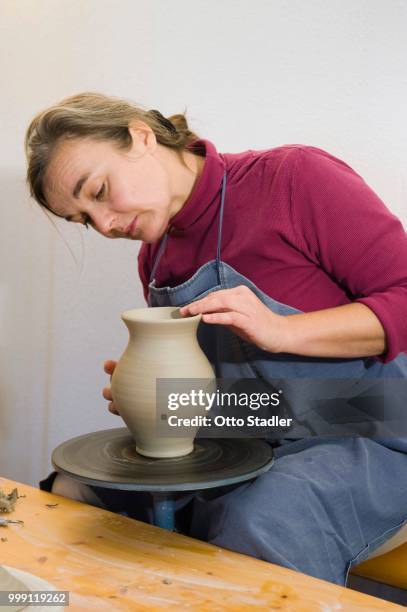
(131, 228)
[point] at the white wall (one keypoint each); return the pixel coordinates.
(330, 73)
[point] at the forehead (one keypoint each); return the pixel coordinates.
(70, 161)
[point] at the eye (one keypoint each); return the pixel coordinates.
(100, 192)
(84, 219)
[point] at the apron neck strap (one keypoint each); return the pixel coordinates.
(158, 256)
(222, 205)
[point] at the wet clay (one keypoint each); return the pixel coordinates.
(8, 501)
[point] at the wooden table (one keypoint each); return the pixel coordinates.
(110, 562)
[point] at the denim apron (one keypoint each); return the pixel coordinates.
(328, 501)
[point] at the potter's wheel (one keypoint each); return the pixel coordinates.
(109, 459)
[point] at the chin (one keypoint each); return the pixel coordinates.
(152, 236)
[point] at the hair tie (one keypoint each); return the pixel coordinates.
(163, 120)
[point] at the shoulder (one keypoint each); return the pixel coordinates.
(286, 160)
(314, 164)
(260, 166)
(273, 156)
(298, 155)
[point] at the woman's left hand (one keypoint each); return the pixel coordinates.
(242, 311)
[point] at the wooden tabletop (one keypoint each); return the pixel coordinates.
(110, 562)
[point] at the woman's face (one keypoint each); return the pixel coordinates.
(121, 194)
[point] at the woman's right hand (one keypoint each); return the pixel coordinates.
(109, 367)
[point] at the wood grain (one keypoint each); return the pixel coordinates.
(110, 562)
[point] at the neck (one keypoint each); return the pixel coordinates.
(184, 169)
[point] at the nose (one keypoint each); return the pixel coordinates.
(104, 221)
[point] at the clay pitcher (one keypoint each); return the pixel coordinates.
(162, 344)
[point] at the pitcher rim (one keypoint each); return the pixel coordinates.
(145, 315)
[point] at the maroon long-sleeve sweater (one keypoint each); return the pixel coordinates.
(302, 225)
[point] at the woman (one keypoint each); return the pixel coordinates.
(299, 270)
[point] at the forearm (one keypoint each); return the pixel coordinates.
(352, 330)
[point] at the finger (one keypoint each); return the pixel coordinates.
(113, 409)
(184, 310)
(109, 366)
(240, 291)
(206, 304)
(232, 318)
(220, 303)
(107, 394)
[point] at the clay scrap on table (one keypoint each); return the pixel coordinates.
(8, 501)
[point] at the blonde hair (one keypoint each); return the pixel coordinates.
(98, 116)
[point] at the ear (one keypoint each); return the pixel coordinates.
(142, 136)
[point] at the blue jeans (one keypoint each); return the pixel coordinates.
(324, 506)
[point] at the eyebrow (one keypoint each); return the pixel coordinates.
(76, 191)
(78, 186)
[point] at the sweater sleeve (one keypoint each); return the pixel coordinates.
(346, 229)
(144, 268)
